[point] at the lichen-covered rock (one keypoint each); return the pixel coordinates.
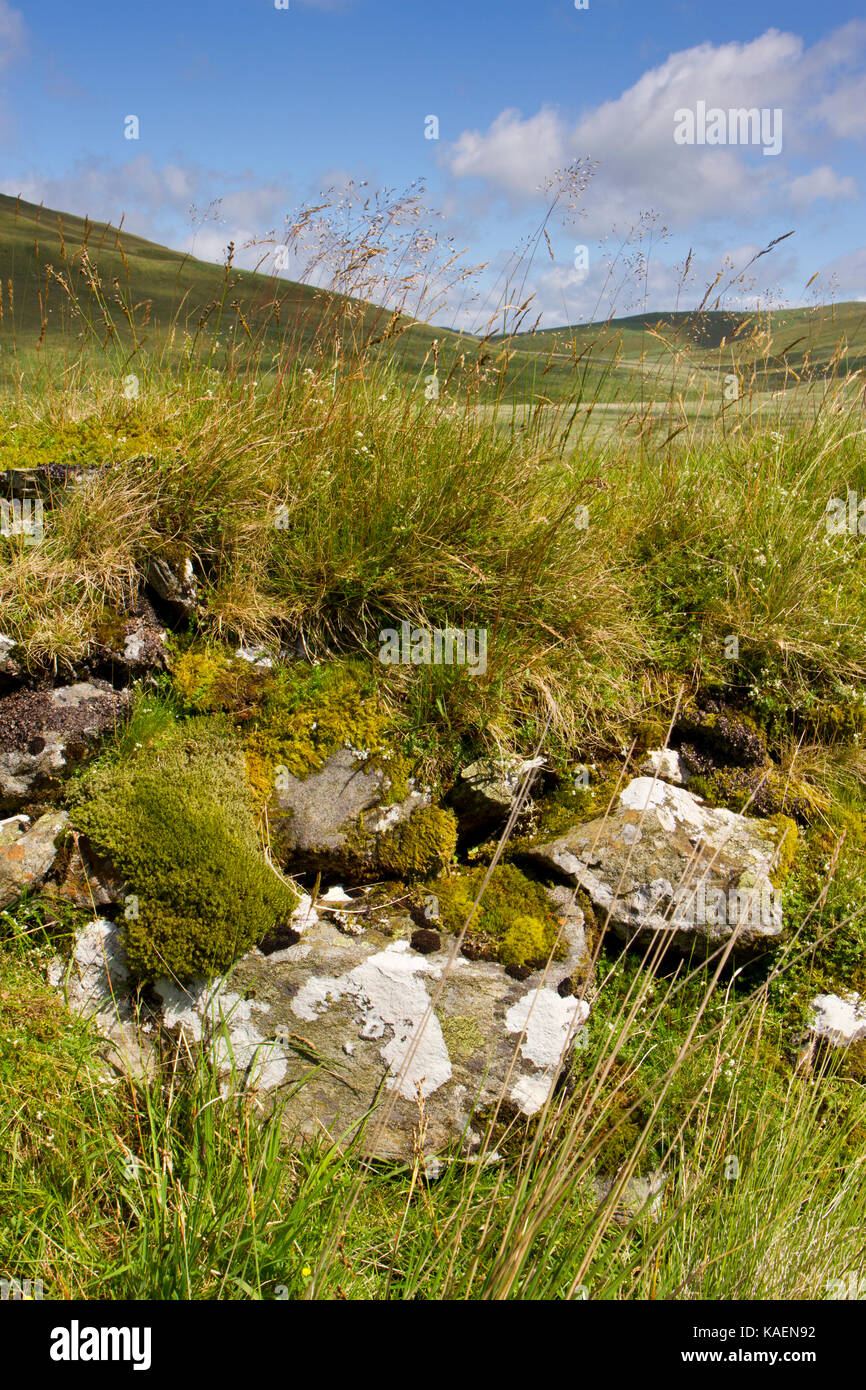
(95, 985)
(28, 857)
(85, 879)
(8, 665)
(486, 790)
(171, 576)
(639, 1196)
(365, 1021)
(339, 817)
(665, 763)
(130, 644)
(663, 862)
(44, 733)
(838, 1019)
(350, 1030)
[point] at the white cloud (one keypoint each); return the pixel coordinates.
(513, 152)
(640, 165)
(822, 182)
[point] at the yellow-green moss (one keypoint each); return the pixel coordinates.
(786, 854)
(524, 941)
(176, 822)
(330, 713)
(80, 443)
(569, 805)
(758, 792)
(211, 682)
(422, 845)
(514, 922)
(649, 733)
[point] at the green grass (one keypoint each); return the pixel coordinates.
(321, 497)
(164, 1190)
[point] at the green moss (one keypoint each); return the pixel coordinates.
(524, 941)
(211, 682)
(789, 839)
(422, 845)
(110, 629)
(570, 804)
(176, 821)
(81, 443)
(758, 792)
(514, 922)
(649, 733)
(302, 725)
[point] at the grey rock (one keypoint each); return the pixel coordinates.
(316, 815)
(453, 1033)
(95, 985)
(173, 580)
(664, 862)
(8, 665)
(486, 790)
(665, 764)
(256, 656)
(43, 733)
(27, 858)
(350, 1031)
(139, 647)
(48, 481)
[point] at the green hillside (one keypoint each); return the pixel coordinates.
(75, 289)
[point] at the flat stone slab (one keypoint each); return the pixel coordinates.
(366, 1022)
(662, 861)
(350, 1029)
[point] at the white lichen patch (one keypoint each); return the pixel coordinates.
(665, 764)
(95, 979)
(840, 1019)
(205, 1009)
(394, 1005)
(670, 804)
(548, 1023)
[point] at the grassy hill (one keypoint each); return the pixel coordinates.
(79, 290)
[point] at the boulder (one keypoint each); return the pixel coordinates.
(49, 481)
(350, 1029)
(86, 879)
(367, 1023)
(43, 733)
(339, 818)
(662, 862)
(486, 790)
(26, 858)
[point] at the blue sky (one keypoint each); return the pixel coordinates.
(260, 108)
